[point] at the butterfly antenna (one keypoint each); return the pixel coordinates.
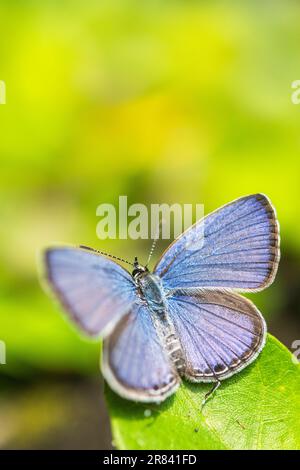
(154, 241)
(151, 251)
(107, 254)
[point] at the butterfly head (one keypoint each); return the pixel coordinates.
(138, 269)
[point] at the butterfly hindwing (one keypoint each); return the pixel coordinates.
(235, 247)
(220, 332)
(135, 363)
(94, 290)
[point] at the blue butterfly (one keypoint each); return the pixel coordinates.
(184, 320)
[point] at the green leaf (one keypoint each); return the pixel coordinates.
(258, 408)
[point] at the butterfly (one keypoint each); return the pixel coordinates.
(184, 320)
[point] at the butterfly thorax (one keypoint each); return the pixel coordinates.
(151, 291)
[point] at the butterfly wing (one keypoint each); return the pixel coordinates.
(236, 247)
(134, 362)
(220, 332)
(93, 290)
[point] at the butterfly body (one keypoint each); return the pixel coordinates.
(151, 291)
(184, 320)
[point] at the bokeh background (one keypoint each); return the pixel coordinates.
(162, 101)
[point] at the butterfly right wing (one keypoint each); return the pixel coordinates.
(134, 361)
(235, 247)
(220, 332)
(94, 291)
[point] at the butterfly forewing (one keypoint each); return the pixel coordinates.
(94, 290)
(135, 363)
(236, 247)
(220, 333)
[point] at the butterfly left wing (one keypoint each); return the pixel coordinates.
(94, 291)
(134, 362)
(220, 333)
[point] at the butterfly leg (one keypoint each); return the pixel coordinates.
(210, 392)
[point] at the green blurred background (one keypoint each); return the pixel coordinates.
(163, 101)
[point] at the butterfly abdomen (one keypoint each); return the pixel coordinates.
(175, 352)
(171, 342)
